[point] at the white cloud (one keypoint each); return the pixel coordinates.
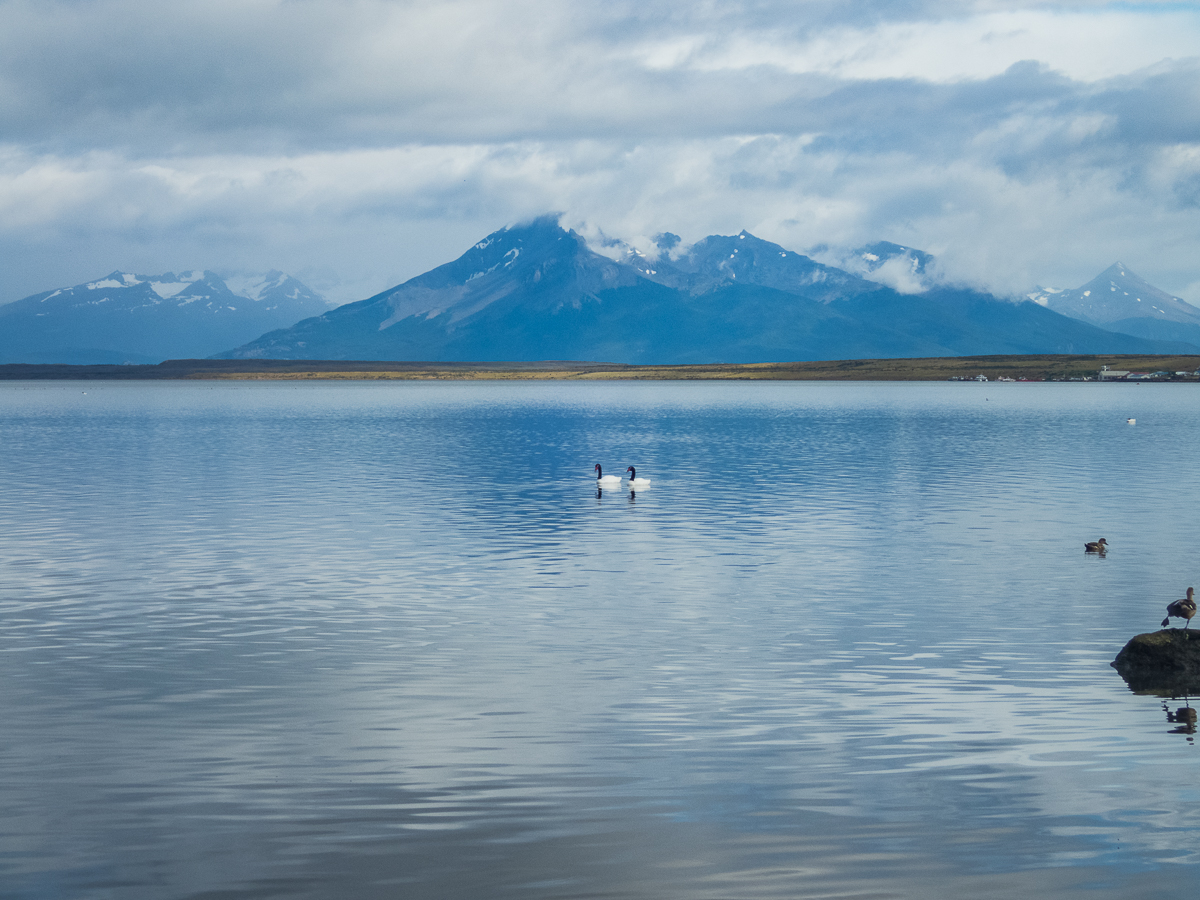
(898, 273)
(1084, 45)
(365, 142)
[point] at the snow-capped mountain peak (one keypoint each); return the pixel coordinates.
(1115, 295)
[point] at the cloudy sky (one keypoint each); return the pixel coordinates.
(360, 142)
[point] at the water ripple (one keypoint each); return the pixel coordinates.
(361, 639)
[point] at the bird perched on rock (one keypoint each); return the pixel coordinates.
(1181, 609)
(1095, 546)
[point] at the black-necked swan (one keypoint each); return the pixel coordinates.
(634, 481)
(601, 478)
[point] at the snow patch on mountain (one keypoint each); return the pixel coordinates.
(256, 287)
(168, 289)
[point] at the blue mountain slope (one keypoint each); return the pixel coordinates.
(536, 291)
(1157, 330)
(968, 323)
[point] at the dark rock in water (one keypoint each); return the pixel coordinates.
(1161, 662)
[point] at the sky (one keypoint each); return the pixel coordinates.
(358, 143)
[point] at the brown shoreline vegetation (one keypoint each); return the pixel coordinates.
(1028, 368)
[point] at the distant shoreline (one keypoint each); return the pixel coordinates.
(1028, 368)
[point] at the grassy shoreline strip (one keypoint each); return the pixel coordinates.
(1032, 368)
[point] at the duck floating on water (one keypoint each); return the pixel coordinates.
(1181, 609)
(606, 480)
(1095, 546)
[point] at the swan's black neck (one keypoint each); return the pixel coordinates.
(599, 471)
(632, 473)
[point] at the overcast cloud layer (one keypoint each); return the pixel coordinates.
(358, 143)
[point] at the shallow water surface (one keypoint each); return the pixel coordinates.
(389, 640)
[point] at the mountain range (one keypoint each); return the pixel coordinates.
(126, 318)
(537, 291)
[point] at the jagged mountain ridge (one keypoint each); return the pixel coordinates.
(536, 291)
(125, 317)
(718, 261)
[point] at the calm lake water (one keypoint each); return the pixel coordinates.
(375, 640)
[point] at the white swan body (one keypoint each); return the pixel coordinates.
(606, 480)
(634, 481)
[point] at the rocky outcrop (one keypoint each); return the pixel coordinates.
(1161, 662)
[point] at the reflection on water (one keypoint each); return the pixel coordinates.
(1184, 716)
(380, 640)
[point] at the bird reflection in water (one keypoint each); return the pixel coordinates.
(1184, 717)
(600, 494)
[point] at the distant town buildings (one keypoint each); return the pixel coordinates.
(1105, 374)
